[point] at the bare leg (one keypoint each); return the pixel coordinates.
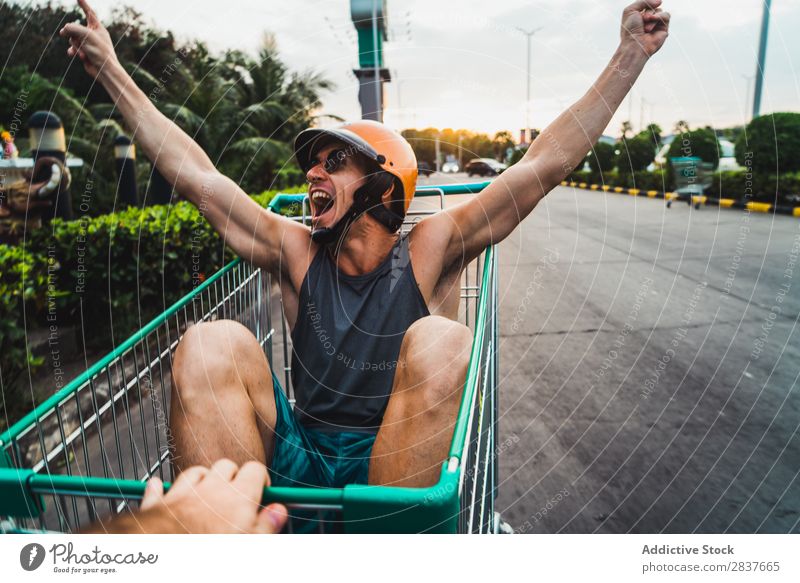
(418, 425)
(223, 405)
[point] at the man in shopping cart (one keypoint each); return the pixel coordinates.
(378, 358)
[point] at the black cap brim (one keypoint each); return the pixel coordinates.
(308, 142)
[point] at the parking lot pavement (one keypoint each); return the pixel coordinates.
(649, 368)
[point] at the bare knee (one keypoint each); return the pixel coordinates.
(211, 355)
(435, 355)
(435, 341)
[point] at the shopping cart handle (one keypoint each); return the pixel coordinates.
(282, 200)
(16, 496)
(21, 491)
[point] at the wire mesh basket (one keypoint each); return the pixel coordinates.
(87, 451)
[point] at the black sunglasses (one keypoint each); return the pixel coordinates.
(333, 162)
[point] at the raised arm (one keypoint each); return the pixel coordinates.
(251, 231)
(495, 213)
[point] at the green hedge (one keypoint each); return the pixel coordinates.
(761, 187)
(24, 295)
(642, 179)
(736, 184)
(108, 276)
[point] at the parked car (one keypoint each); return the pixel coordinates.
(424, 169)
(450, 167)
(484, 167)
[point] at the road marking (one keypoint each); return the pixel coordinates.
(758, 207)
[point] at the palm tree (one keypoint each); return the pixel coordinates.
(243, 112)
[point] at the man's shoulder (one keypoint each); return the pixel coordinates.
(433, 232)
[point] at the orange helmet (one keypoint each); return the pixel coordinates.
(386, 147)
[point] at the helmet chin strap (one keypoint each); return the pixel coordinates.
(366, 199)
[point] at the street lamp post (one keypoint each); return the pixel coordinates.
(748, 79)
(528, 34)
(762, 55)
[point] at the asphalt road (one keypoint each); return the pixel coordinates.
(649, 368)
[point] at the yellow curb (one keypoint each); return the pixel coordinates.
(796, 212)
(633, 191)
(670, 196)
(582, 185)
(699, 199)
(573, 183)
(726, 202)
(606, 188)
(563, 183)
(758, 207)
(652, 193)
(618, 189)
(593, 187)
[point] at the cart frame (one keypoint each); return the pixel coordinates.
(116, 411)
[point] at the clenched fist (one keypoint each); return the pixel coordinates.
(645, 26)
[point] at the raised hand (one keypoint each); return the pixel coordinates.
(91, 43)
(645, 25)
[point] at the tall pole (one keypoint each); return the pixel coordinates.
(749, 79)
(378, 63)
(528, 34)
(630, 109)
(369, 18)
(125, 164)
(528, 90)
(641, 112)
(762, 55)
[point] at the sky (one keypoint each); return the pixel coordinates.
(462, 64)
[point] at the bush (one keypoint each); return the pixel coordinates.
(108, 275)
(24, 295)
(700, 143)
(289, 176)
(761, 187)
(581, 176)
(771, 144)
(601, 158)
(729, 184)
(635, 154)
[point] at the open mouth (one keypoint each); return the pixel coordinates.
(321, 203)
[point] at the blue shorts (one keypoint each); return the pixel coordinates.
(305, 457)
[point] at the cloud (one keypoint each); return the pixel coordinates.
(464, 64)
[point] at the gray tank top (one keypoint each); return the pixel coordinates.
(347, 338)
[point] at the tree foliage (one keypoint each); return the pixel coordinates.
(701, 143)
(471, 144)
(243, 110)
(635, 153)
(771, 144)
(602, 158)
